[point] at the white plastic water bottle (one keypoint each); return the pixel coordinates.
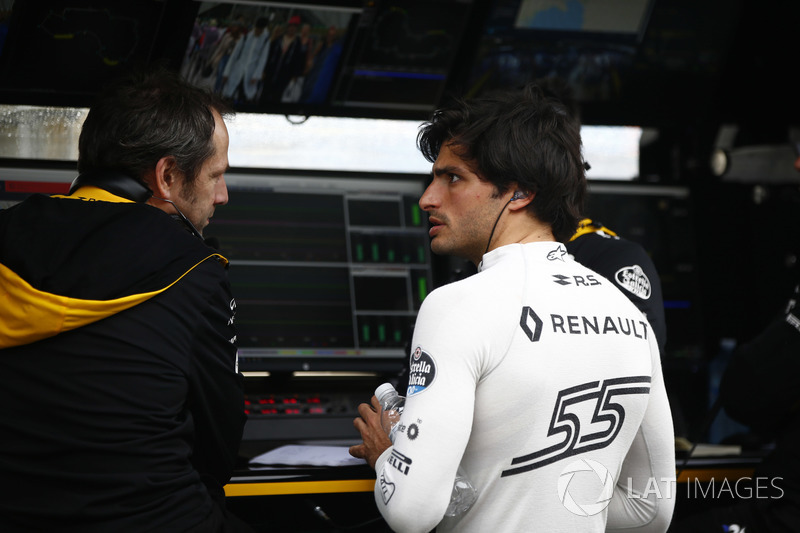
(392, 404)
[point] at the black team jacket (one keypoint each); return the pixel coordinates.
(761, 388)
(121, 405)
(626, 264)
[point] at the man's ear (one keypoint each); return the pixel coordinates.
(521, 201)
(164, 179)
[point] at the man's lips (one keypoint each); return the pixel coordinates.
(436, 226)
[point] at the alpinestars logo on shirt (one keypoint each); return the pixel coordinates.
(557, 254)
(574, 434)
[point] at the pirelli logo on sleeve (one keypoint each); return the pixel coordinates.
(400, 462)
(534, 326)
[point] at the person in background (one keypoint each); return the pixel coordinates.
(242, 76)
(286, 62)
(536, 375)
(761, 388)
(622, 261)
(222, 53)
(122, 404)
(324, 61)
(627, 265)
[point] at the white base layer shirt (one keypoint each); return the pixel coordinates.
(544, 382)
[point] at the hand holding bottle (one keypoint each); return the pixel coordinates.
(392, 404)
(374, 439)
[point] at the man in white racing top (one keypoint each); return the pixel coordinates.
(536, 374)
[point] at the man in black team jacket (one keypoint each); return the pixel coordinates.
(622, 261)
(121, 407)
(760, 388)
(626, 264)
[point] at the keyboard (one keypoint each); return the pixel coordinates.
(301, 416)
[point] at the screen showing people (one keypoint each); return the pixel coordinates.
(261, 54)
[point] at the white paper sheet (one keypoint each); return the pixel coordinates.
(307, 455)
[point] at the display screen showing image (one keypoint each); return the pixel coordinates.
(607, 16)
(402, 55)
(588, 44)
(260, 54)
(617, 57)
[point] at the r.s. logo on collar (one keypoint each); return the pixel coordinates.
(557, 254)
(422, 372)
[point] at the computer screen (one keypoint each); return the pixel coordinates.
(265, 55)
(359, 58)
(622, 59)
(343, 57)
(328, 271)
(402, 56)
(586, 43)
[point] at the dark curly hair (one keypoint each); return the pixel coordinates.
(522, 137)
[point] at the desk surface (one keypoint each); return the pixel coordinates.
(255, 481)
(251, 480)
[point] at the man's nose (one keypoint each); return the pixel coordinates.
(221, 192)
(430, 198)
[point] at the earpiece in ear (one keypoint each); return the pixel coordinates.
(519, 195)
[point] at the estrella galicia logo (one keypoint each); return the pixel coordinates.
(421, 372)
(634, 280)
(572, 431)
(531, 324)
(557, 254)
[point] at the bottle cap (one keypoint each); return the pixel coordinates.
(384, 389)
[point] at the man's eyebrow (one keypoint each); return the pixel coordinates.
(447, 169)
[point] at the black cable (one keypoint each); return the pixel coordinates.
(495, 224)
(324, 516)
(182, 218)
